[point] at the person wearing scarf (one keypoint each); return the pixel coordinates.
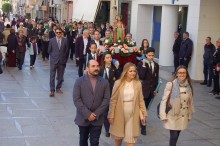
(180, 91)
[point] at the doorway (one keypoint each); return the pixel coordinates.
(103, 13)
(157, 12)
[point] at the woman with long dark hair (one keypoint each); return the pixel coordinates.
(179, 95)
(144, 46)
(111, 73)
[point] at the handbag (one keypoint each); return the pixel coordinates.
(168, 105)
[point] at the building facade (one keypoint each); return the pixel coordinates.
(158, 20)
(95, 10)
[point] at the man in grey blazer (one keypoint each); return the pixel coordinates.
(59, 52)
(91, 95)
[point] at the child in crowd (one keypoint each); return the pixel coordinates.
(148, 71)
(33, 51)
(93, 52)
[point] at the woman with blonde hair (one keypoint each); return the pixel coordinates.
(127, 107)
(178, 95)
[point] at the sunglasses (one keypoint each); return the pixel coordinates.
(59, 32)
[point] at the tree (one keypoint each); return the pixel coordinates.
(6, 7)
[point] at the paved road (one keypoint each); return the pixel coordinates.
(29, 117)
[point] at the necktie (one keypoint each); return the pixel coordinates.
(59, 43)
(93, 56)
(150, 66)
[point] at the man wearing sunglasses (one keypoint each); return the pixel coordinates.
(59, 52)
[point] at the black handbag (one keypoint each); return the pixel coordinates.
(168, 105)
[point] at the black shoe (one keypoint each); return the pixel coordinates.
(143, 132)
(203, 83)
(107, 134)
(216, 93)
(209, 85)
(212, 92)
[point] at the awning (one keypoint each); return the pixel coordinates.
(85, 10)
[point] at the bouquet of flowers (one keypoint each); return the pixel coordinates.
(124, 51)
(108, 42)
(130, 43)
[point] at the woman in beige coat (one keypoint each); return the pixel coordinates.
(127, 108)
(178, 93)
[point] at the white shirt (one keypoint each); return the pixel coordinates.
(58, 41)
(152, 65)
(97, 43)
(94, 56)
(107, 71)
(85, 41)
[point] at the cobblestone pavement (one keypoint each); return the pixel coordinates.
(29, 117)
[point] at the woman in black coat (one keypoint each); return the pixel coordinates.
(11, 48)
(111, 73)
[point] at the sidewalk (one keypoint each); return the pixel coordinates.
(29, 117)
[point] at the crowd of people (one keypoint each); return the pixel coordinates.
(116, 96)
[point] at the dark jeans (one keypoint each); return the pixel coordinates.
(106, 123)
(59, 69)
(147, 102)
(91, 132)
(45, 53)
(72, 50)
(81, 64)
(32, 59)
(184, 62)
(216, 82)
(174, 135)
(176, 61)
(208, 72)
(20, 58)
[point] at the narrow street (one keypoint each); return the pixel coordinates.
(29, 117)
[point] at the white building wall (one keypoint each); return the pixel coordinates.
(169, 23)
(193, 27)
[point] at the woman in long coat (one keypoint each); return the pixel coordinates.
(11, 48)
(179, 94)
(127, 107)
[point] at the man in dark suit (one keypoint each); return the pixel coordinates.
(75, 34)
(186, 48)
(176, 50)
(52, 33)
(91, 104)
(148, 71)
(59, 52)
(82, 47)
(97, 39)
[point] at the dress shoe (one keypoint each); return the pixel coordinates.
(203, 83)
(59, 91)
(107, 134)
(143, 132)
(51, 94)
(209, 85)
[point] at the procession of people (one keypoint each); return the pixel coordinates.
(121, 80)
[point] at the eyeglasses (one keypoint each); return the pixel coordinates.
(181, 73)
(59, 32)
(217, 41)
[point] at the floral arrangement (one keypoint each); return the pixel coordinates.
(108, 42)
(131, 43)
